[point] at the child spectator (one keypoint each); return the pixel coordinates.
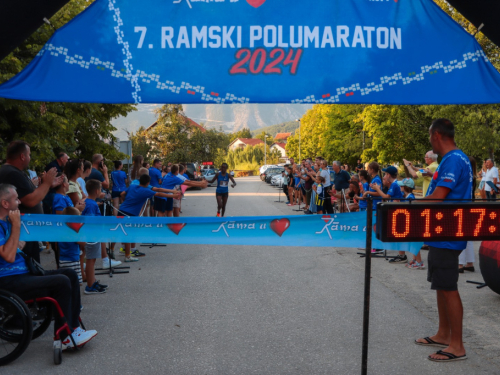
(69, 252)
(92, 249)
(134, 199)
(364, 179)
(407, 185)
(320, 194)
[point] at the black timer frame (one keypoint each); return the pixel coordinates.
(457, 221)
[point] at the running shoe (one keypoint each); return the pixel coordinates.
(377, 251)
(114, 263)
(131, 259)
(122, 250)
(94, 289)
(218, 214)
(416, 266)
(102, 286)
(399, 259)
(137, 253)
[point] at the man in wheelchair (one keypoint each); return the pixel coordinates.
(62, 284)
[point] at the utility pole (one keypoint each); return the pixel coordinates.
(265, 149)
(298, 120)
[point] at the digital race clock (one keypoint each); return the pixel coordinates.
(416, 222)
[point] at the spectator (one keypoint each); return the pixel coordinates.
(166, 205)
(307, 183)
(164, 171)
(359, 166)
(93, 249)
(155, 173)
(374, 170)
(427, 173)
(120, 182)
(341, 183)
(69, 255)
(134, 199)
(74, 171)
(285, 182)
(394, 194)
(18, 159)
(481, 174)
(365, 179)
(134, 173)
(62, 284)
(491, 180)
(99, 171)
(452, 181)
(320, 195)
(354, 191)
(87, 168)
(146, 165)
(59, 163)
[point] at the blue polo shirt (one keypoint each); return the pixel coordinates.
(395, 191)
(119, 179)
(170, 181)
(135, 199)
(61, 202)
(376, 200)
(91, 208)
(454, 173)
(155, 175)
(18, 267)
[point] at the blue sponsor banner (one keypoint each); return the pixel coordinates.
(260, 51)
(335, 230)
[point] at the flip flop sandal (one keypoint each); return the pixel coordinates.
(451, 357)
(431, 342)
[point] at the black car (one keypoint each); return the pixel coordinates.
(270, 172)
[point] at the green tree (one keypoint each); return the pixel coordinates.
(262, 136)
(243, 133)
(140, 144)
(78, 129)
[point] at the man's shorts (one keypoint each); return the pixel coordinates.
(442, 271)
(176, 203)
(93, 250)
(115, 194)
(161, 205)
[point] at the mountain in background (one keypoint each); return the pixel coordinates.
(228, 117)
(285, 127)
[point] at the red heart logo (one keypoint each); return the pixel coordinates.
(326, 218)
(279, 226)
(256, 3)
(75, 226)
(176, 228)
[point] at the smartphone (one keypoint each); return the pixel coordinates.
(423, 171)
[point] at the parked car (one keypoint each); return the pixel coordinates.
(277, 180)
(270, 172)
(264, 167)
(209, 174)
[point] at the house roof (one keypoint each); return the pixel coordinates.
(191, 123)
(248, 141)
(279, 144)
(282, 135)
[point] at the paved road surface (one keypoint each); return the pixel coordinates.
(264, 310)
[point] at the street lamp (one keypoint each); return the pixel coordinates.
(298, 120)
(265, 149)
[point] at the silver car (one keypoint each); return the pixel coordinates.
(209, 174)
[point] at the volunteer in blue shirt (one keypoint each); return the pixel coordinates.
(61, 284)
(452, 180)
(134, 199)
(120, 180)
(390, 181)
(222, 192)
(373, 170)
(165, 207)
(156, 179)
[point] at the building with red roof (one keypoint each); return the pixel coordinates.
(244, 142)
(282, 136)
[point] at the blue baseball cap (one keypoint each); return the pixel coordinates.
(408, 182)
(393, 171)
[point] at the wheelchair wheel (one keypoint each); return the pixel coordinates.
(41, 316)
(57, 352)
(15, 327)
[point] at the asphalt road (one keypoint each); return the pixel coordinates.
(194, 309)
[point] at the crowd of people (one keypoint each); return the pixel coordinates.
(78, 187)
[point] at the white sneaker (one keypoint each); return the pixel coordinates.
(131, 259)
(80, 336)
(114, 263)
